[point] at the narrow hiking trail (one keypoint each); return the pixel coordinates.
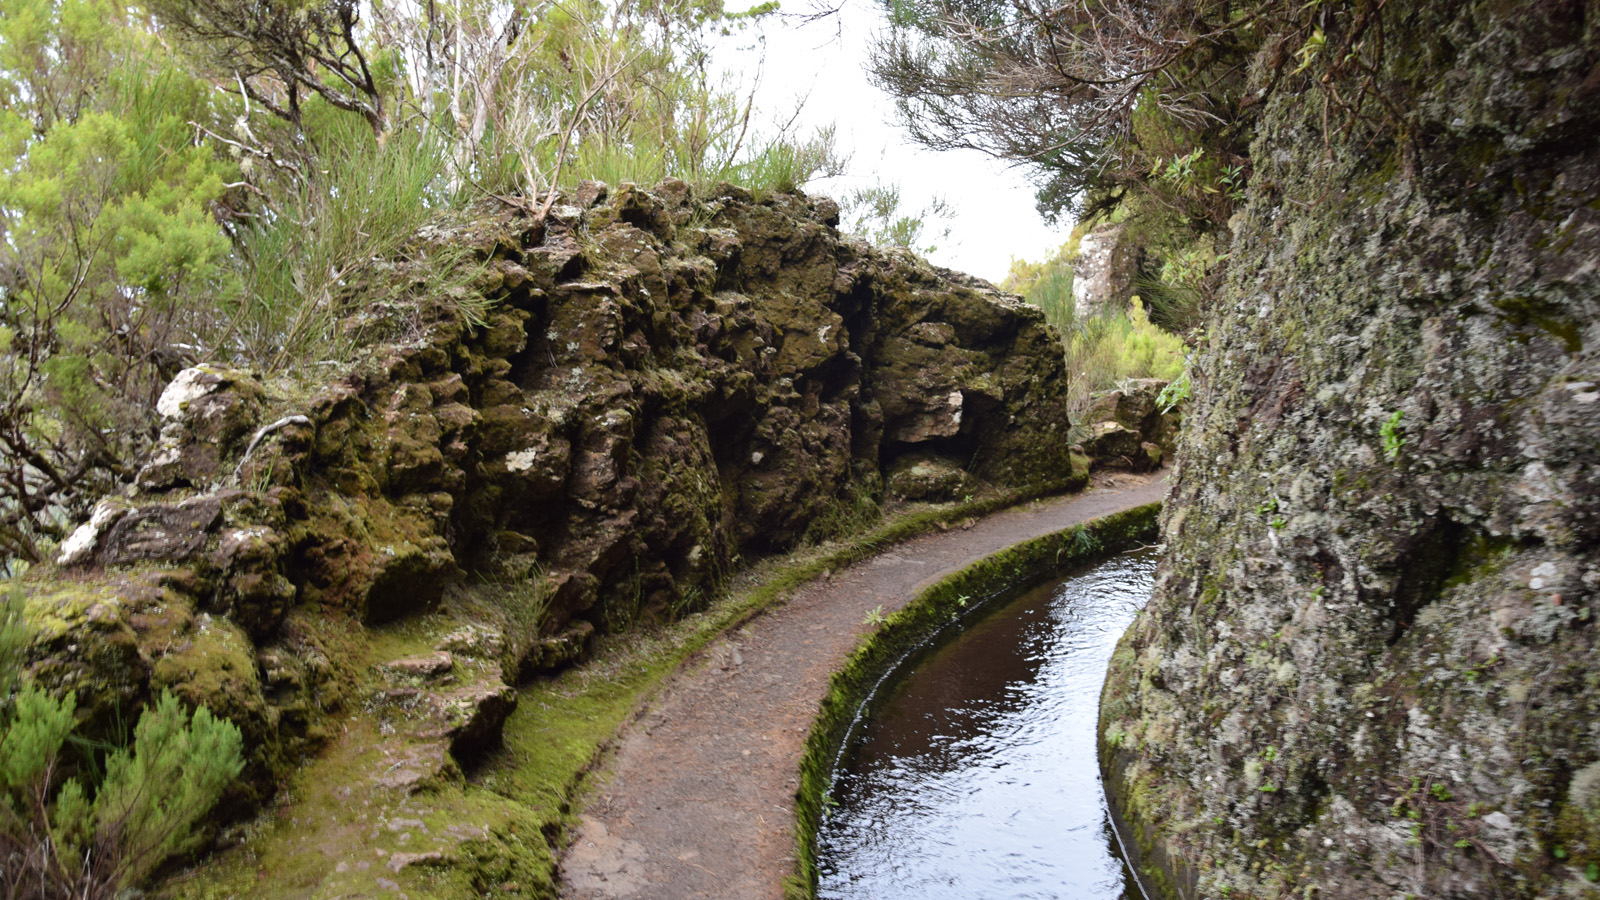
(697, 798)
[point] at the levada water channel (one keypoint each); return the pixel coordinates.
(975, 774)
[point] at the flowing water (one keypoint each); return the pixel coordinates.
(975, 775)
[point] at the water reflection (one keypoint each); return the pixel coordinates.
(977, 776)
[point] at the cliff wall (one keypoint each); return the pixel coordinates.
(1369, 668)
(659, 384)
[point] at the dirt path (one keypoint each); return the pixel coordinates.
(697, 799)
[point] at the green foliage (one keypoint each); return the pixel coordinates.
(1179, 272)
(37, 728)
(1069, 90)
(13, 640)
(314, 51)
(1175, 392)
(1101, 350)
(112, 261)
(152, 796)
(1123, 101)
(1390, 432)
(855, 510)
(333, 234)
(1048, 284)
(1104, 350)
(142, 812)
(784, 164)
(876, 214)
(72, 839)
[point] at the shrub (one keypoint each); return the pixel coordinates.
(330, 234)
(1104, 350)
(110, 258)
(876, 213)
(1101, 350)
(96, 840)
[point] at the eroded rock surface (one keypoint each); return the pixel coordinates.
(1368, 669)
(663, 382)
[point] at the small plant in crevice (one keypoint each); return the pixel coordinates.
(1438, 823)
(875, 616)
(1176, 391)
(855, 511)
(687, 602)
(1115, 736)
(1477, 671)
(1083, 541)
(1390, 432)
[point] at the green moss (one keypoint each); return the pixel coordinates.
(213, 664)
(1484, 555)
(499, 830)
(1543, 315)
(927, 614)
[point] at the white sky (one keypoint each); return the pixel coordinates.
(994, 218)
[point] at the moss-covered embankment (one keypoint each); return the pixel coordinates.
(363, 561)
(1369, 667)
(499, 831)
(940, 606)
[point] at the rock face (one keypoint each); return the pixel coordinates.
(1369, 667)
(662, 382)
(1102, 278)
(1130, 428)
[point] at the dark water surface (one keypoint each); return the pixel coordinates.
(976, 775)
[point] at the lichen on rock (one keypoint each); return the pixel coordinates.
(1368, 666)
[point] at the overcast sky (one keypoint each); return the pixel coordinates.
(994, 217)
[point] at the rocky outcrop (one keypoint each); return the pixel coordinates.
(1368, 669)
(1104, 272)
(657, 383)
(1132, 427)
